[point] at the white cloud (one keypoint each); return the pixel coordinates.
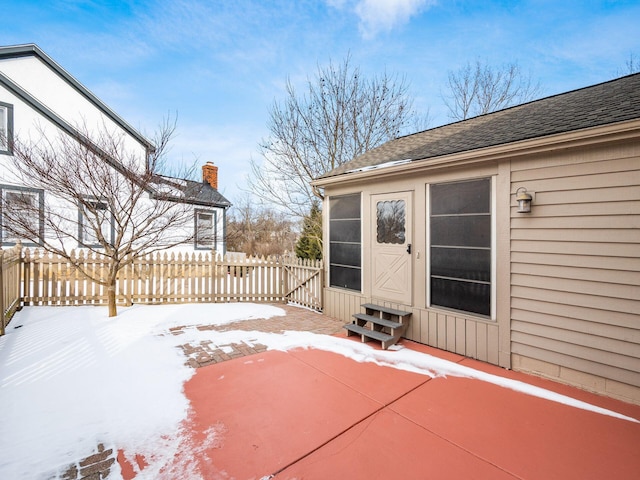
(383, 15)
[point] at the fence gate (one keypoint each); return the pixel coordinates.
(303, 282)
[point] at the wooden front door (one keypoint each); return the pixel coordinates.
(391, 255)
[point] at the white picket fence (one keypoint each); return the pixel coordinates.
(40, 278)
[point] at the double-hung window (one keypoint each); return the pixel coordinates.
(460, 227)
(205, 229)
(22, 215)
(6, 127)
(345, 242)
(95, 221)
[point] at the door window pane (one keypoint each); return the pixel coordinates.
(390, 217)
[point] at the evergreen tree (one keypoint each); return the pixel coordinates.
(309, 244)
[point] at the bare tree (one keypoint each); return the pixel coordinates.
(479, 88)
(341, 115)
(632, 65)
(259, 231)
(98, 195)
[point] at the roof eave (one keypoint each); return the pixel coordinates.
(606, 133)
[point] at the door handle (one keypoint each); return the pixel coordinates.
(409, 249)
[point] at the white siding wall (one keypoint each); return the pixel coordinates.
(63, 99)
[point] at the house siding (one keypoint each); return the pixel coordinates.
(575, 268)
(566, 275)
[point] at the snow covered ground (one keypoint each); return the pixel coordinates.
(72, 378)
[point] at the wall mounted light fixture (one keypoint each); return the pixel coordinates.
(524, 200)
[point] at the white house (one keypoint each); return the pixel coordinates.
(37, 96)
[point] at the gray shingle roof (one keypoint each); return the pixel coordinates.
(189, 191)
(610, 102)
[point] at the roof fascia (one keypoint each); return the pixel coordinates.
(17, 51)
(578, 138)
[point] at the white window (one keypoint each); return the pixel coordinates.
(95, 219)
(6, 127)
(22, 215)
(205, 229)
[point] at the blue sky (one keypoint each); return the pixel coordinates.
(221, 64)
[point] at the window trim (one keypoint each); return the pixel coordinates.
(196, 243)
(39, 193)
(6, 149)
(493, 243)
(81, 229)
(330, 263)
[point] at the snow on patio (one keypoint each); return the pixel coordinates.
(71, 378)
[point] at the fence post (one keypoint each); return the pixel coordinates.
(285, 279)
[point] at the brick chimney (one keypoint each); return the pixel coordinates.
(210, 174)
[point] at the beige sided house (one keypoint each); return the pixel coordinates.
(429, 224)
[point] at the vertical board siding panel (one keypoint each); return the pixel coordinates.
(471, 342)
(442, 331)
(433, 329)
(481, 341)
(493, 344)
(414, 325)
(329, 304)
(451, 333)
(424, 327)
(461, 336)
(355, 306)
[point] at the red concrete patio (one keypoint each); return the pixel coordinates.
(310, 414)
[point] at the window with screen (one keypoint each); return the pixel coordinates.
(6, 127)
(205, 235)
(460, 250)
(95, 220)
(22, 215)
(345, 242)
